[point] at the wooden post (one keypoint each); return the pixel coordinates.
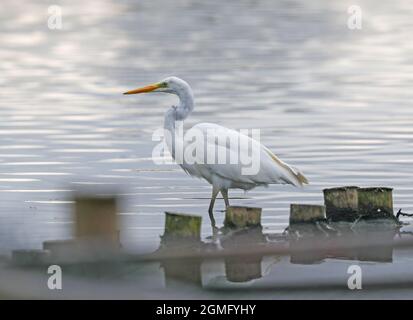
(96, 233)
(182, 234)
(96, 218)
(307, 213)
(341, 203)
(242, 217)
(182, 226)
(376, 202)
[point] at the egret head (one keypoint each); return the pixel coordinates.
(173, 85)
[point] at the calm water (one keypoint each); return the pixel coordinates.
(334, 102)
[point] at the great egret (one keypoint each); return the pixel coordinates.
(221, 176)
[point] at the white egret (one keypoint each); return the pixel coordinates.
(221, 176)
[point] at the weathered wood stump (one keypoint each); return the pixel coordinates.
(29, 258)
(304, 213)
(237, 217)
(341, 203)
(96, 218)
(96, 233)
(182, 226)
(182, 233)
(375, 202)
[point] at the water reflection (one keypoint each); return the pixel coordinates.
(342, 114)
(248, 260)
(366, 241)
(182, 271)
(244, 258)
(244, 269)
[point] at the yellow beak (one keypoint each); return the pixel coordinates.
(143, 89)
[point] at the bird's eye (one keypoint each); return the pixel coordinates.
(164, 84)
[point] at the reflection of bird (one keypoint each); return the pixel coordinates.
(222, 176)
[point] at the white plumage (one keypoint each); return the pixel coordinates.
(227, 175)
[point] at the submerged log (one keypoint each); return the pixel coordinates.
(242, 217)
(307, 213)
(182, 226)
(376, 202)
(341, 203)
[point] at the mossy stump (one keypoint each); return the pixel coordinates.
(376, 202)
(341, 203)
(237, 217)
(307, 213)
(96, 218)
(182, 227)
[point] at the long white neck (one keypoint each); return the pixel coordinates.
(186, 102)
(182, 111)
(175, 116)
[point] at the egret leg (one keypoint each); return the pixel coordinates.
(215, 192)
(224, 193)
